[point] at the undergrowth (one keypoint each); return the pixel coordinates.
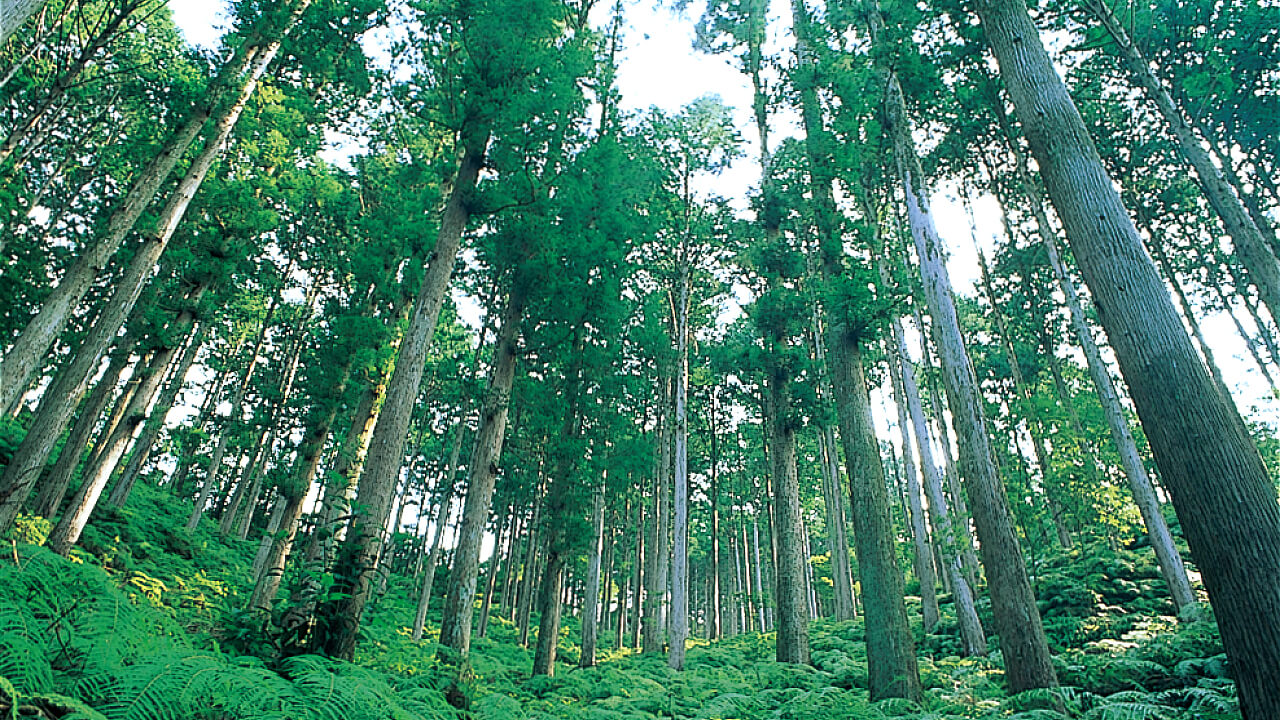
(141, 624)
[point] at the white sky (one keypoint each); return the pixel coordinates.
(658, 67)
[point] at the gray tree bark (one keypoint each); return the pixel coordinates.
(592, 610)
(972, 638)
(459, 604)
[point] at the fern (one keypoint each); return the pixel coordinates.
(1130, 705)
(24, 653)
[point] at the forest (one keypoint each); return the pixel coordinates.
(384, 359)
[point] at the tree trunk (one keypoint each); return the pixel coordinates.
(549, 610)
(832, 495)
(1215, 283)
(1028, 663)
(559, 502)
(529, 571)
(1188, 312)
(608, 560)
(639, 558)
(213, 394)
(386, 446)
(793, 618)
(67, 532)
(591, 611)
(1220, 486)
(155, 420)
(891, 658)
(955, 493)
(680, 525)
(1024, 394)
(437, 542)
(973, 640)
(923, 553)
(662, 518)
(459, 604)
(54, 488)
(491, 577)
(279, 543)
(651, 624)
(715, 620)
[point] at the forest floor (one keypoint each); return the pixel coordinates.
(145, 622)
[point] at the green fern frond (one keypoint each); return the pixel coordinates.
(1130, 710)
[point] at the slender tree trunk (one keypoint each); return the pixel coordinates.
(833, 498)
(386, 446)
(715, 620)
(743, 582)
(923, 553)
(549, 611)
(529, 571)
(680, 526)
(266, 444)
(512, 565)
(155, 420)
(608, 558)
(279, 543)
(1025, 394)
(1171, 566)
(437, 546)
(67, 532)
(651, 627)
(1221, 489)
(1215, 284)
(459, 605)
(212, 484)
(663, 519)
(1028, 663)
(590, 612)
(54, 488)
(559, 501)
(972, 638)
(969, 554)
(1188, 312)
(213, 394)
(758, 594)
(491, 575)
(640, 558)
(793, 621)
(890, 648)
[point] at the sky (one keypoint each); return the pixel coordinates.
(659, 68)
